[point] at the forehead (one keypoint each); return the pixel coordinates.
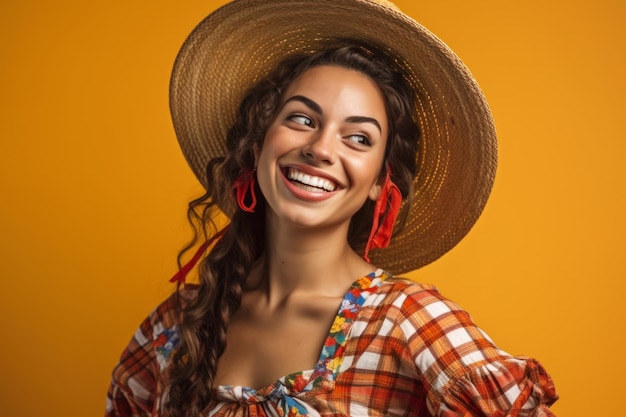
(334, 81)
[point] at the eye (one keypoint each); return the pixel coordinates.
(301, 119)
(360, 139)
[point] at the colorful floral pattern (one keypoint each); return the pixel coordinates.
(166, 344)
(331, 358)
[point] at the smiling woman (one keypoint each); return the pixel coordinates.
(321, 142)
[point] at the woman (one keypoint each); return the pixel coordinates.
(319, 138)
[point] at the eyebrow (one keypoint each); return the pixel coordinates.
(364, 119)
(316, 108)
(306, 101)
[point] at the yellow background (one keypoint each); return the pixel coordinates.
(93, 189)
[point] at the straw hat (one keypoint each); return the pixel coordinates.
(242, 41)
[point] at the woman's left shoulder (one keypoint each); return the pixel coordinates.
(408, 299)
(406, 285)
(401, 288)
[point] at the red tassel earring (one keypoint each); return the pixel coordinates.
(391, 197)
(241, 185)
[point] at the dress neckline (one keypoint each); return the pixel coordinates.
(323, 375)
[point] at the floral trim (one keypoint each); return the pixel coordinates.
(331, 358)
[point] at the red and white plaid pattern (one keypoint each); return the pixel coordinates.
(410, 352)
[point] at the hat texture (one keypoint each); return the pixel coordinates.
(242, 41)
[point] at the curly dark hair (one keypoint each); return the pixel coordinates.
(205, 318)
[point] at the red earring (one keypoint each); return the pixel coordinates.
(241, 185)
(381, 236)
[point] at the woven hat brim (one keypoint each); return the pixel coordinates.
(241, 42)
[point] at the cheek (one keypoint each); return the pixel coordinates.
(368, 170)
(262, 154)
(266, 164)
(262, 170)
(276, 139)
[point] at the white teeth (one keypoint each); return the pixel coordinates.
(311, 181)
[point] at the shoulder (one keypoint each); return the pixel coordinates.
(162, 327)
(168, 313)
(459, 364)
(410, 295)
(419, 310)
(136, 379)
(156, 339)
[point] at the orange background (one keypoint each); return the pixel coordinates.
(94, 189)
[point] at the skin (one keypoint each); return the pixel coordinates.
(332, 125)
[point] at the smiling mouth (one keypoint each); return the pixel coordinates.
(308, 182)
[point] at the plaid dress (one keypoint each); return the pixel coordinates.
(396, 348)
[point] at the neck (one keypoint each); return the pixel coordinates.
(309, 261)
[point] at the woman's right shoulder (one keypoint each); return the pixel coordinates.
(135, 381)
(157, 337)
(168, 313)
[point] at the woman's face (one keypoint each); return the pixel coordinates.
(323, 153)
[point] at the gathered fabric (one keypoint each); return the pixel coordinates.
(395, 348)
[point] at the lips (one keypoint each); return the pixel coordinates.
(311, 182)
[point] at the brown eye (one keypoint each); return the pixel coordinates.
(360, 139)
(302, 120)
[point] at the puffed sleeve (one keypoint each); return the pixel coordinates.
(136, 382)
(464, 373)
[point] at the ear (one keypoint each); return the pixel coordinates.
(377, 187)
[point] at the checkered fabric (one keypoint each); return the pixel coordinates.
(402, 349)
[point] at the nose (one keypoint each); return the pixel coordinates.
(322, 146)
